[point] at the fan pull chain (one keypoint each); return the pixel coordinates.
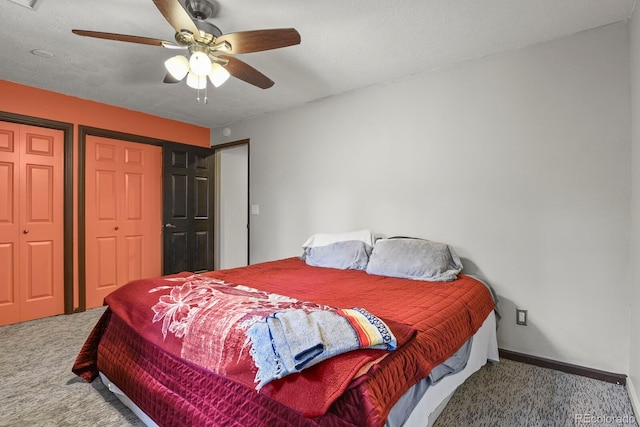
(206, 99)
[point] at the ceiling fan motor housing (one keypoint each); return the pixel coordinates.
(201, 9)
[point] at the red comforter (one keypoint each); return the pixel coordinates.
(144, 358)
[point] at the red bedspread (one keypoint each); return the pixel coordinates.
(136, 356)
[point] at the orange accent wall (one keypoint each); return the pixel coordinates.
(29, 101)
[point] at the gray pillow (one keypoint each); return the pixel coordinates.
(416, 259)
(349, 254)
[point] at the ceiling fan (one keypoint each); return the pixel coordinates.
(211, 53)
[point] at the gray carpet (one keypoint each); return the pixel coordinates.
(509, 393)
(37, 387)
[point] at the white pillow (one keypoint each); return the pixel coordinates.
(324, 239)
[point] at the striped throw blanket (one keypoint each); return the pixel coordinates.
(291, 340)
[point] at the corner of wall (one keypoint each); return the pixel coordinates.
(634, 353)
(633, 396)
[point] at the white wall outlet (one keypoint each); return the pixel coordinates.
(521, 316)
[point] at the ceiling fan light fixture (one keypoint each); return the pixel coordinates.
(200, 63)
(218, 75)
(195, 81)
(177, 66)
(168, 78)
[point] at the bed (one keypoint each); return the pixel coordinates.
(164, 369)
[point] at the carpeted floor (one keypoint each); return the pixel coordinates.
(37, 387)
(509, 394)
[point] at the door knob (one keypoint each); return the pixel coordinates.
(25, 231)
(116, 228)
(168, 225)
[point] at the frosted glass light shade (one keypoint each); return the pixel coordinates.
(177, 66)
(195, 81)
(218, 74)
(200, 63)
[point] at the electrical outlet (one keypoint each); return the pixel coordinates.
(521, 316)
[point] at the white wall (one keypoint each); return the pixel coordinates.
(634, 356)
(521, 161)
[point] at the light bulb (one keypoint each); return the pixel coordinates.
(200, 63)
(195, 81)
(177, 66)
(218, 74)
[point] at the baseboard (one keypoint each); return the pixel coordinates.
(633, 396)
(565, 367)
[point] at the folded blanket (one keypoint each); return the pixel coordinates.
(291, 340)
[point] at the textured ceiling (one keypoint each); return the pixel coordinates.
(345, 45)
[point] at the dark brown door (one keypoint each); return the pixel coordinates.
(188, 185)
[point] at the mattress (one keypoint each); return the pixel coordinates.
(147, 361)
(484, 349)
(420, 405)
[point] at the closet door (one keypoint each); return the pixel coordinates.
(123, 200)
(9, 223)
(41, 220)
(31, 222)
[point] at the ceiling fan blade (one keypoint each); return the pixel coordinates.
(122, 38)
(243, 71)
(259, 40)
(179, 19)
